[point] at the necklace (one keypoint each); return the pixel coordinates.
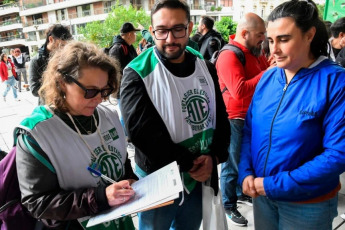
(99, 134)
(91, 128)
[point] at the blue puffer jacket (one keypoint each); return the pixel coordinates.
(294, 134)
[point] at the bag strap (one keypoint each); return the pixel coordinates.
(125, 50)
(238, 52)
(8, 204)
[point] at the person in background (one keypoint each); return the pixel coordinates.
(12, 54)
(211, 40)
(123, 51)
(19, 63)
(293, 145)
(337, 41)
(7, 74)
(56, 36)
(238, 83)
(71, 131)
(172, 80)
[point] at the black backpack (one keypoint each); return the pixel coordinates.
(107, 49)
(239, 54)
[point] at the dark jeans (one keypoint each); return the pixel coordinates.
(229, 172)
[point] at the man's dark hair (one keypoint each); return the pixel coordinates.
(207, 21)
(58, 31)
(171, 4)
(306, 16)
(337, 27)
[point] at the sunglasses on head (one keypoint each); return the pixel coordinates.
(89, 93)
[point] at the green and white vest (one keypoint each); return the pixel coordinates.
(70, 156)
(186, 105)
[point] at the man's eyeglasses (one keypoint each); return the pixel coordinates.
(177, 32)
(90, 93)
(17, 51)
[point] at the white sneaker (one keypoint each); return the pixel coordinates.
(17, 99)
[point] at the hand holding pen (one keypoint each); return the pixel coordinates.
(118, 192)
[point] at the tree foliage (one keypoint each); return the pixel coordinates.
(102, 33)
(321, 8)
(226, 26)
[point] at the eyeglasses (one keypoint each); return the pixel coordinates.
(90, 93)
(177, 32)
(17, 51)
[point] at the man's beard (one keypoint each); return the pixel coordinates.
(176, 54)
(256, 51)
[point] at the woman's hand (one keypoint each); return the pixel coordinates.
(119, 193)
(259, 186)
(248, 187)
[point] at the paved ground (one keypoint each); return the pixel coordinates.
(12, 112)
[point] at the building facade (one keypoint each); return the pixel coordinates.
(23, 22)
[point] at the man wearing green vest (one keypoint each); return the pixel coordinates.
(174, 111)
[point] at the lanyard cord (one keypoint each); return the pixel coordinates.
(99, 134)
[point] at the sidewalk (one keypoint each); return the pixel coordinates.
(12, 113)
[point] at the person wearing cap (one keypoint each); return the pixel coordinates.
(56, 37)
(123, 51)
(122, 48)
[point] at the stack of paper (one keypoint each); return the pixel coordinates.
(152, 191)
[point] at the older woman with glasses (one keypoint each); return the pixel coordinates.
(71, 132)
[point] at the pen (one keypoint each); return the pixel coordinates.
(98, 173)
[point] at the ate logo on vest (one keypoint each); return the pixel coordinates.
(109, 164)
(195, 103)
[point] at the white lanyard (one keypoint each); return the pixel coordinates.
(81, 136)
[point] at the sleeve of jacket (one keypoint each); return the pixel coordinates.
(117, 52)
(231, 71)
(221, 137)
(213, 45)
(2, 74)
(13, 69)
(35, 76)
(146, 128)
(341, 57)
(41, 193)
(245, 167)
(326, 165)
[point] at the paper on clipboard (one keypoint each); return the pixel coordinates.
(157, 188)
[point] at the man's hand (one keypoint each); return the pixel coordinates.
(259, 186)
(202, 168)
(140, 27)
(248, 187)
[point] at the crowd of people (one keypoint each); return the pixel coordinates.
(273, 118)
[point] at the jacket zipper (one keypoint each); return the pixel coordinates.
(274, 117)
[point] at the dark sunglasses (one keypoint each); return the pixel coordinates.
(90, 93)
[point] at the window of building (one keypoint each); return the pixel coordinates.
(61, 15)
(86, 10)
(226, 3)
(37, 19)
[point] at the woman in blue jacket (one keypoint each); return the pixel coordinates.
(293, 148)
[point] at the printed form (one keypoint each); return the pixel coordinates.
(153, 190)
